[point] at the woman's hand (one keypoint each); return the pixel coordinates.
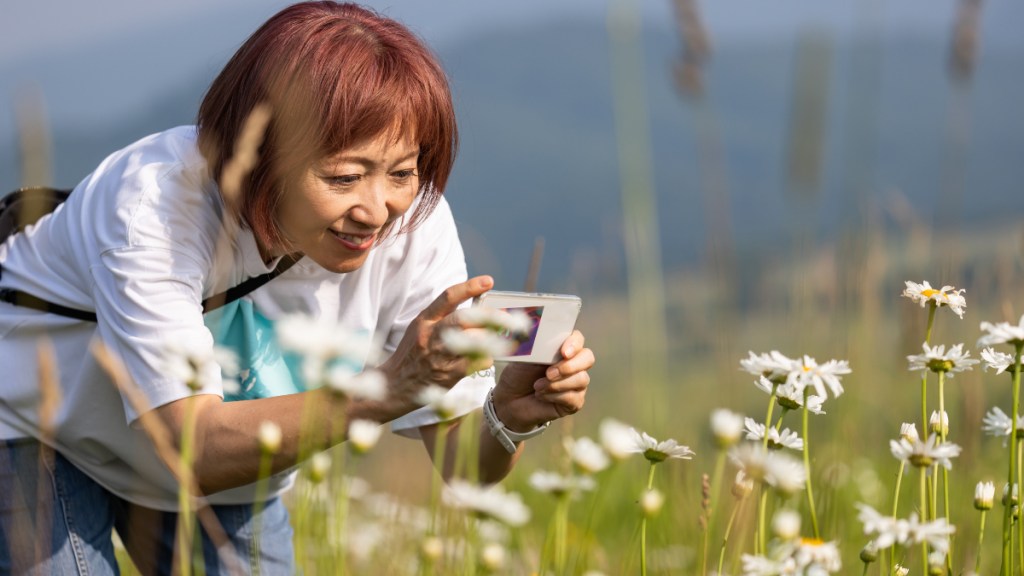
(421, 358)
(528, 395)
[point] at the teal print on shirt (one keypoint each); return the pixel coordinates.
(265, 369)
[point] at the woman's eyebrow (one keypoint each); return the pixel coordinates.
(366, 161)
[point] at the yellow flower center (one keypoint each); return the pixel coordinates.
(807, 368)
(812, 541)
(930, 292)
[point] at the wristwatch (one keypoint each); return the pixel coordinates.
(507, 438)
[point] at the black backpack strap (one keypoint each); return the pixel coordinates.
(235, 292)
(26, 300)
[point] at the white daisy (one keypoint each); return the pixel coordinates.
(319, 338)
(790, 396)
(319, 466)
(885, 529)
(655, 451)
(936, 533)
(366, 385)
(1002, 333)
(617, 438)
(824, 378)
(774, 366)
(756, 565)
(997, 423)
(511, 322)
(446, 403)
(923, 454)
(776, 469)
(900, 570)
(937, 359)
(946, 296)
(587, 455)
(998, 361)
(363, 435)
(197, 365)
(558, 485)
(727, 427)
(477, 344)
(814, 556)
(785, 439)
(490, 502)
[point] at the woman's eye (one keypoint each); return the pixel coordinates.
(403, 175)
(346, 180)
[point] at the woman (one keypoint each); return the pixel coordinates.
(356, 155)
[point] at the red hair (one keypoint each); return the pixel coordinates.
(333, 75)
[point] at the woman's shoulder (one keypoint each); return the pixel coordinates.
(152, 191)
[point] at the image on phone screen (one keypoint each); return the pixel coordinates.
(534, 313)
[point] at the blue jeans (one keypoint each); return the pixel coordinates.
(56, 520)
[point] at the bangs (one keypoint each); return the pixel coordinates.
(334, 75)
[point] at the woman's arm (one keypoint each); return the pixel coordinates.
(227, 448)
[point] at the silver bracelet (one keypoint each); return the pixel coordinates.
(507, 438)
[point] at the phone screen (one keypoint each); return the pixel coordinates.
(534, 313)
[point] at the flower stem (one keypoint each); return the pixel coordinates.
(440, 447)
(266, 458)
(924, 544)
(762, 506)
(807, 467)
(1005, 567)
(643, 528)
(768, 418)
(924, 376)
(186, 516)
(981, 540)
(561, 532)
(728, 532)
(895, 511)
(709, 528)
(945, 471)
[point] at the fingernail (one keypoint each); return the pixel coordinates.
(552, 373)
(570, 350)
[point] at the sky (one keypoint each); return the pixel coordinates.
(96, 59)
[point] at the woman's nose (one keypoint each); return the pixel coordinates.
(372, 210)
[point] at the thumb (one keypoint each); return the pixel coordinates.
(449, 300)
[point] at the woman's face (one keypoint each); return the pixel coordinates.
(343, 202)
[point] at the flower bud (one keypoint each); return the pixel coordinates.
(743, 486)
(899, 570)
(869, 553)
(492, 557)
(727, 426)
(786, 524)
(909, 432)
(1009, 499)
(363, 435)
(939, 424)
(269, 437)
(984, 494)
(319, 466)
(432, 549)
(651, 502)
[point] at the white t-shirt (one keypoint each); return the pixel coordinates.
(136, 242)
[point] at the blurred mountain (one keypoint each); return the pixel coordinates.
(539, 154)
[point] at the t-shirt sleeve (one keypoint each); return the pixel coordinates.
(438, 262)
(148, 298)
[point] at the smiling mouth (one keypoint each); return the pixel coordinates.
(354, 241)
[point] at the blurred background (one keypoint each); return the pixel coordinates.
(712, 177)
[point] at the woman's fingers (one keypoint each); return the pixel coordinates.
(581, 361)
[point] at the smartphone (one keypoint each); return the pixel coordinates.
(553, 316)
